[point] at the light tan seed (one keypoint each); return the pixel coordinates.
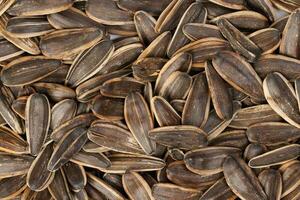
(242, 180)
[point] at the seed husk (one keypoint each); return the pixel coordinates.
(12, 142)
(92, 160)
(242, 180)
(59, 186)
(62, 112)
(18, 106)
(178, 105)
(197, 31)
(12, 186)
(276, 157)
(289, 172)
(263, 6)
(9, 50)
(270, 179)
(191, 137)
(234, 138)
(76, 176)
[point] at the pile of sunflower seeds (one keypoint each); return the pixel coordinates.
(150, 99)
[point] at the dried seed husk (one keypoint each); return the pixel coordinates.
(214, 125)
(107, 12)
(11, 142)
(38, 176)
(114, 138)
(205, 49)
(165, 191)
(127, 30)
(28, 69)
(153, 7)
(158, 47)
(272, 133)
(104, 188)
(122, 57)
(18, 106)
(182, 137)
(26, 27)
(76, 176)
(91, 147)
(268, 39)
(139, 120)
(8, 50)
(145, 27)
(120, 163)
(208, 160)
(196, 108)
(249, 20)
(147, 69)
(9, 115)
(57, 76)
(270, 179)
(180, 62)
(234, 5)
(288, 67)
(121, 87)
(239, 42)
(242, 180)
(89, 62)
(136, 187)
(164, 113)
(234, 138)
(82, 120)
(197, 31)
(14, 165)
(290, 44)
(59, 186)
(37, 7)
(88, 90)
(92, 160)
(176, 86)
(69, 145)
(263, 6)
(254, 149)
(12, 186)
(194, 13)
(55, 92)
(276, 157)
(62, 112)
(4, 5)
(37, 111)
(108, 108)
(239, 74)
(180, 175)
(178, 105)
(246, 117)
(218, 191)
(64, 44)
(72, 18)
(290, 173)
(170, 17)
(281, 97)
(219, 92)
(28, 45)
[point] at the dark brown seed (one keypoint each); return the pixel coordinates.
(38, 177)
(290, 173)
(127, 30)
(108, 108)
(114, 137)
(107, 12)
(37, 111)
(136, 187)
(114, 180)
(166, 191)
(139, 121)
(62, 112)
(59, 186)
(253, 150)
(9, 50)
(164, 113)
(234, 138)
(276, 157)
(178, 105)
(270, 179)
(263, 6)
(11, 142)
(121, 87)
(197, 31)
(69, 145)
(18, 106)
(37, 7)
(208, 160)
(12, 186)
(180, 175)
(182, 137)
(92, 160)
(290, 44)
(232, 4)
(242, 180)
(75, 174)
(238, 73)
(272, 133)
(280, 23)
(29, 69)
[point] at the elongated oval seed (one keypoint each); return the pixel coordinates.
(92, 160)
(76, 176)
(242, 180)
(139, 120)
(191, 137)
(197, 31)
(276, 157)
(37, 111)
